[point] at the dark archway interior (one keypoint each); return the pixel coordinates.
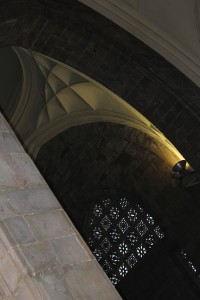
(88, 163)
(87, 159)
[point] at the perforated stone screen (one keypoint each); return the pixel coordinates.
(120, 234)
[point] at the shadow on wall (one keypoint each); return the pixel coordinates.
(11, 81)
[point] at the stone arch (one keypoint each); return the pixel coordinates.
(160, 92)
(62, 97)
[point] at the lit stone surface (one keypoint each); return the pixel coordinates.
(42, 255)
(38, 256)
(24, 292)
(9, 143)
(10, 273)
(4, 291)
(75, 253)
(19, 230)
(23, 169)
(26, 201)
(6, 176)
(55, 285)
(48, 225)
(6, 210)
(88, 272)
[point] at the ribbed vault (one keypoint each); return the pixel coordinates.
(61, 97)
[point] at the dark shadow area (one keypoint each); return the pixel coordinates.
(10, 81)
(91, 163)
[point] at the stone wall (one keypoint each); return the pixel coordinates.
(42, 254)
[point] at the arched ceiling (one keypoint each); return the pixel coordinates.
(71, 32)
(171, 27)
(56, 97)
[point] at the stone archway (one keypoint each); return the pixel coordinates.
(55, 97)
(112, 57)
